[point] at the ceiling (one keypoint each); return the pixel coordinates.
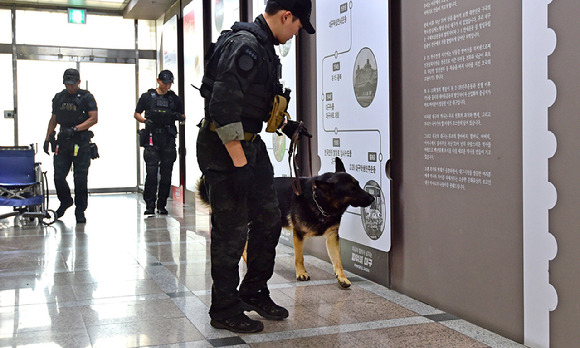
(134, 9)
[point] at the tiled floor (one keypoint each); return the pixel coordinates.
(122, 280)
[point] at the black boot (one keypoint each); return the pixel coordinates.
(264, 306)
(240, 323)
(63, 207)
(150, 210)
(80, 215)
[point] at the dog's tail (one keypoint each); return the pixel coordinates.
(201, 191)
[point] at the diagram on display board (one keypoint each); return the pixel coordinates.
(353, 108)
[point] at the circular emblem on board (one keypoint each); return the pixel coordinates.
(373, 216)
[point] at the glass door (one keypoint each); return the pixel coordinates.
(113, 86)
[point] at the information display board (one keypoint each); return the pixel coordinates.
(353, 114)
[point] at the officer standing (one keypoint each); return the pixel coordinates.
(240, 84)
(162, 108)
(75, 110)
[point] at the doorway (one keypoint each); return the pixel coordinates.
(113, 86)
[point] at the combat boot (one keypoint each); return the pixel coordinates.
(62, 208)
(239, 323)
(264, 306)
(150, 210)
(80, 215)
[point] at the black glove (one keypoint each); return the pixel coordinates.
(149, 122)
(292, 126)
(68, 132)
(243, 178)
(46, 143)
(178, 117)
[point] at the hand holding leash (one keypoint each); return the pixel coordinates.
(292, 127)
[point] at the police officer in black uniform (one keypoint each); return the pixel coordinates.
(75, 110)
(162, 108)
(238, 176)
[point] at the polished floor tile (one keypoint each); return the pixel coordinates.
(126, 280)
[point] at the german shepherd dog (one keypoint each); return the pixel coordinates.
(316, 212)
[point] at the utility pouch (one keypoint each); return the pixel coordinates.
(143, 137)
(171, 131)
(93, 150)
(278, 113)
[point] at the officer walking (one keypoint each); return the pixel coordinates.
(240, 85)
(162, 108)
(75, 110)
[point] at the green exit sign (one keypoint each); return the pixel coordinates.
(77, 15)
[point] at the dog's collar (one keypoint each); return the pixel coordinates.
(316, 202)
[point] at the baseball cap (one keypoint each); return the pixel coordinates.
(301, 9)
(166, 76)
(71, 77)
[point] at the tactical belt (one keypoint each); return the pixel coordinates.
(249, 137)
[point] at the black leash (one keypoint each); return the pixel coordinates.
(293, 159)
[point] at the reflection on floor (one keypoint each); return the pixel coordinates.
(123, 280)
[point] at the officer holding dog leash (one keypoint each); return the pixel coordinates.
(162, 108)
(75, 110)
(242, 91)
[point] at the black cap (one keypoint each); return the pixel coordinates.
(71, 77)
(166, 76)
(301, 9)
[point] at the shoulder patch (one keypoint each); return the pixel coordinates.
(247, 58)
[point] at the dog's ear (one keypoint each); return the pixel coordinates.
(339, 165)
(325, 186)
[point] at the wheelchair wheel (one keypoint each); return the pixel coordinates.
(49, 217)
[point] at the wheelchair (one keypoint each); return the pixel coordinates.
(23, 186)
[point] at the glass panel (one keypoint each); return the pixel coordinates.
(114, 134)
(5, 26)
(146, 35)
(38, 82)
(147, 78)
(113, 86)
(56, 31)
(7, 101)
(169, 62)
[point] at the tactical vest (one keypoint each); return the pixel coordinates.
(161, 108)
(70, 109)
(259, 97)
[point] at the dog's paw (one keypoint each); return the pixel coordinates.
(302, 276)
(343, 282)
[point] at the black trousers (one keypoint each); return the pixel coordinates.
(63, 160)
(254, 217)
(159, 161)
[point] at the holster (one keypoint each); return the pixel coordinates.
(278, 113)
(143, 137)
(52, 141)
(94, 150)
